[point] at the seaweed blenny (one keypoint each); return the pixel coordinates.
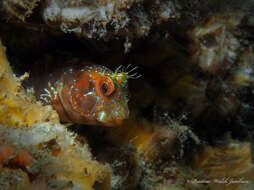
(84, 93)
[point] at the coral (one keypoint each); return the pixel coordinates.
(196, 62)
(215, 48)
(243, 74)
(168, 176)
(125, 170)
(14, 179)
(147, 146)
(93, 19)
(229, 160)
(31, 137)
(16, 108)
(6, 152)
(104, 18)
(17, 157)
(18, 9)
(221, 49)
(202, 75)
(150, 141)
(226, 159)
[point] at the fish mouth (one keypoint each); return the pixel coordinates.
(104, 119)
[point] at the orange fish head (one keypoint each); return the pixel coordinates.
(95, 96)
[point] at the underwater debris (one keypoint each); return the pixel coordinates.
(26, 125)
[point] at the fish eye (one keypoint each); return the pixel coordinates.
(106, 86)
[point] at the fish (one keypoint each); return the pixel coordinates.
(83, 92)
